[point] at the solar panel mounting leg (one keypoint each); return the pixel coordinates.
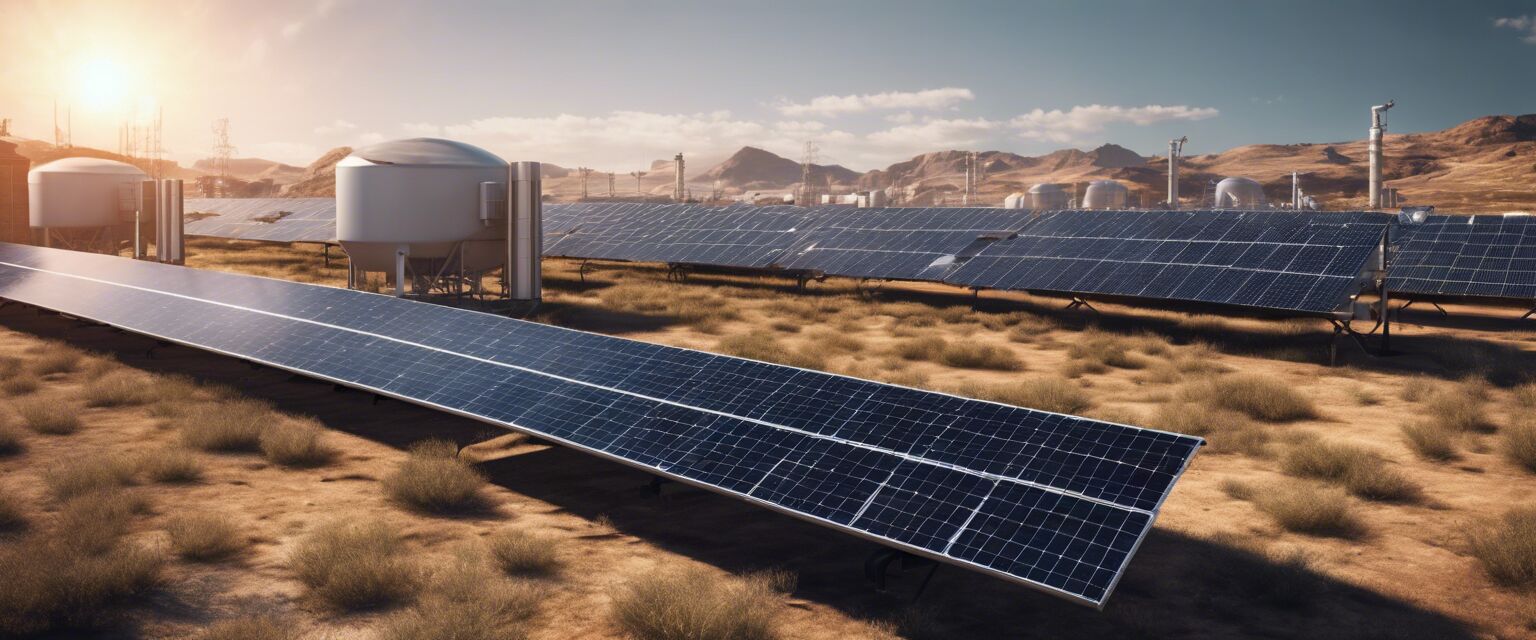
(1079, 302)
(327, 252)
(1529, 313)
(878, 565)
(1441, 309)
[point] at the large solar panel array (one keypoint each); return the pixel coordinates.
(1056, 502)
(1491, 256)
(733, 236)
(266, 219)
(1296, 262)
(898, 243)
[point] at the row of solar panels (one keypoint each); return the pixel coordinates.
(1300, 262)
(1057, 502)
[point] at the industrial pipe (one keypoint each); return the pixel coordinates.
(525, 232)
(1378, 128)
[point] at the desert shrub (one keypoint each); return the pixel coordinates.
(233, 426)
(693, 603)
(1365, 397)
(519, 552)
(296, 443)
(117, 389)
(250, 628)
(1524, 396)
(760, 345)
(980, 356)
(205, 537)
(1459, 407)
(47, 416)
(1306, 508)
(692, 305)
(466, 601)
(1358, 470)
(1226, 431)
(11, 440)
(21, 384)
(1519, 443)
(51, 585)
(921, 348)
(1098, 349)
(1256, 396)
(829, 341)
(171, 465)
(78, 476)
(435, 483)
(1046, 393)
(12, 512)
(1507, 548)
(58, 358)
(355, 565)
(95, 521)
(1430, 440)
(1239, 490)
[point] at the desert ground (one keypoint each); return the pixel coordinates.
(1382, 497)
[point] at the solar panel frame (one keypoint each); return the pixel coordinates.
(726, 236)
(894, 243)
(1476, 256)
(1265, 261)
(306, 219)
(446, 366)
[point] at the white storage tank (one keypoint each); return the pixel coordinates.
(1239, 193)
(1106, 194)
(425, 195)
(1047, 197)
(82, 192)
(1014, 201)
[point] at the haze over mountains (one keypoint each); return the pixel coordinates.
(1482, 165)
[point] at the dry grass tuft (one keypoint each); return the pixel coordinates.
(1227, 431)
(435, 483)
(117, 389)
(521, 553)
(355, 565)
(12, 441)
(12, 513)
(466, 601)
(1519, 444)
(1460, 407)
(980, 356)
(79, 476)
(691, 305)
(830, 341)
(250, 628)
(70, 577)
(205, 537)
(1306, 508)
(761, 345)
(296, 444)
(693, 603)
(1524, 396)
(1096, 351)
(21, 384)
(1046, 393)
(1507, 548)
(227, 427)
(58, 358)
(171, 465)
(1256, 396)
(47, 416)
(1430, 440)
(921, 348)
(1359, 470)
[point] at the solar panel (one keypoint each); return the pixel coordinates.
(1490, 256)
(1288, 261)
(731, 236)
(1056, 502)
(898, 243)
(266, 219)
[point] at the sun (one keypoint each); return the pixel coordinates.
(102, 83)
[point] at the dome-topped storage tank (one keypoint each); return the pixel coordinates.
(1106, 194)
(423, 196)
(1046, 197)
(1239, 193)
(73, 193)
(1014, 200)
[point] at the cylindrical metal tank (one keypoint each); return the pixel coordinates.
(422, 194)
(81, 192)
(1106, 194)
(1046, 197)
(1014, 201)
(1239, 193)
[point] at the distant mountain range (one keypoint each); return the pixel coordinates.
(1482, 165)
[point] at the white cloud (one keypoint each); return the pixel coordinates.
(292, 29)
(422, 129)
(294, 153)
(925, 100)
(904, 117)
(336, 126)
(934, 134)
(1070, 125)
(1526, 24)
(372, 137)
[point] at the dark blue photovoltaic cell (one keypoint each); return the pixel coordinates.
(1288, 261)
(908, 468)
(265, 219)
(1490, 256)
(897, 243)
(733, 236)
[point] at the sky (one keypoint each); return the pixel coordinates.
(614, 85)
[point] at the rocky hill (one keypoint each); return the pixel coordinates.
(319, 178)
(754, 168)
(254, 169)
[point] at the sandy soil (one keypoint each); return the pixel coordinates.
(1410, 575)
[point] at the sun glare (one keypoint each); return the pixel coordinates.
(102, 83)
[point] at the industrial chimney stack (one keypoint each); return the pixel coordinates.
(678, 195)
(1378, 127)
(1175, 151)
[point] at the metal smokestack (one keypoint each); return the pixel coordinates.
(1295, 190)
(678, 194)
(525, 232)
(1175, 150)
(1378, 127)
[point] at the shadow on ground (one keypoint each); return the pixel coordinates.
(1178, 586)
